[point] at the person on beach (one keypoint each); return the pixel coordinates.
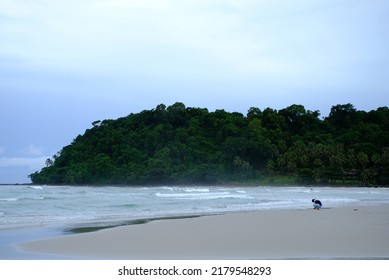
(316, 204)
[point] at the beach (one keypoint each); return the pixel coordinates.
(359, 232)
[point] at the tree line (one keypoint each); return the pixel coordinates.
(184, 145)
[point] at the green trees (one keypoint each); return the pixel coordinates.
(179, 144)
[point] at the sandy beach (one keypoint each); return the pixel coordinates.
(337, 233)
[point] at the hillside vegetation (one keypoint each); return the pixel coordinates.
(183, 145)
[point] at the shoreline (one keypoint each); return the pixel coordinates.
(140, 221)
(259, 183)
(358, 232)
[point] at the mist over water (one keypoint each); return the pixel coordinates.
(70, 206)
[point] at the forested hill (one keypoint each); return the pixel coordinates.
(183, 145)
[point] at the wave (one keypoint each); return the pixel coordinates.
(14, 199)
(33, 198)
(196, 190)
(49, 198)
(185, 189)
(344, 199)
(202, 196)
(263, 205)
(340, 201)
(19, 206)
(10, 199)
(169, 188)
(35, 187)
(128, 205)
(241, 191)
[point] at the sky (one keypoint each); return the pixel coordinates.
(67, 63)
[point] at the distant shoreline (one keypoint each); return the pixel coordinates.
(226, 184)
(16, 184)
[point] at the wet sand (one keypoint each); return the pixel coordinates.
(339, 233)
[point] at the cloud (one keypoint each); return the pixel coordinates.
(32, 163)
(14, 9)
(154, 37)
(291, 44)
(33, 151)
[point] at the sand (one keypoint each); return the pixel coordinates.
(339, 233)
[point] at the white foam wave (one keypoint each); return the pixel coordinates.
(344, 200)
(14, 199)
(196, 190)
(184, 189)
(32, 198)
(35, 187)
(339, 201)
(10, 199)
(202, 196)
(169, 188)
(21, 207)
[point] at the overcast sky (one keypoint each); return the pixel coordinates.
(67, 63)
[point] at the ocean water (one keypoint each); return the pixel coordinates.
(79, 206)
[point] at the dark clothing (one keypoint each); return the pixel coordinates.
(316, 204)
(316, 201)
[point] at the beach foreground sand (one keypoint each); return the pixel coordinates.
(349, 233)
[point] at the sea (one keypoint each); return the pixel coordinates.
(33, 211)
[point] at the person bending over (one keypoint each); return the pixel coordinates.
(316, 204)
